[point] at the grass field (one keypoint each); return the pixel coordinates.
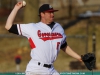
(10, 47)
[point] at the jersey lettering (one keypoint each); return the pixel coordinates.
(49, 36)
(58, 43)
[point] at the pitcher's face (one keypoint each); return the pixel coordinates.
(48, 17)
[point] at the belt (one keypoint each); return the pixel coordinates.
(45, 65)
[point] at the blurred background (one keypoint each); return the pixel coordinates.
(79, 18)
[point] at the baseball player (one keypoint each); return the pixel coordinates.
(46, 38)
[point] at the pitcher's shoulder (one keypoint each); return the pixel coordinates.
(57, 23)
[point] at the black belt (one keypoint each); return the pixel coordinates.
(45, 65)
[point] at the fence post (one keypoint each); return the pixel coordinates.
(94, 45)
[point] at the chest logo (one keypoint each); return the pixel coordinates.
(49, 36)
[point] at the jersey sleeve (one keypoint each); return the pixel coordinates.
(61, 30)
(64, 42)
(23, 29)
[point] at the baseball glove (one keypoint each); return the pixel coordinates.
(89, 60)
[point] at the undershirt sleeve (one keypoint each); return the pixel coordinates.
(63, 45)
(14, 29)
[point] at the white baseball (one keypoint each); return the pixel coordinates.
(24, 3)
